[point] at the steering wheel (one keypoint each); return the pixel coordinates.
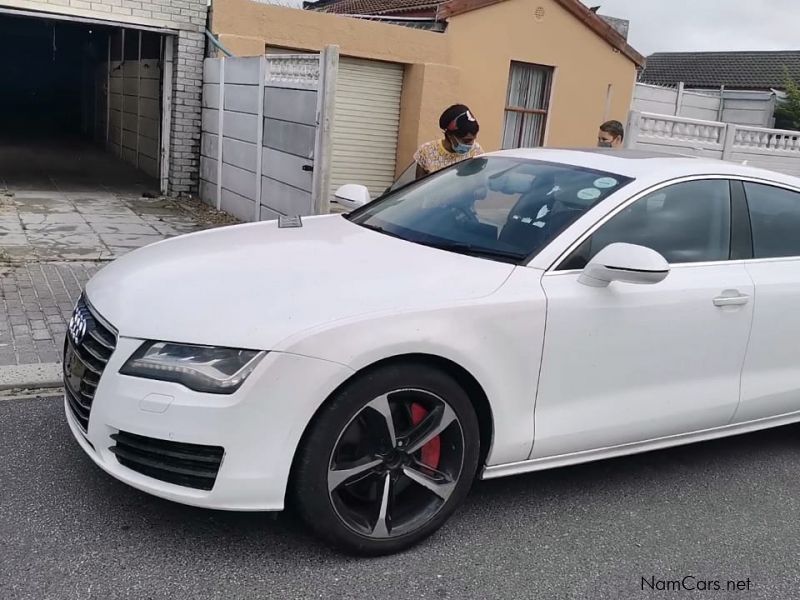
(462, 207)
(468, 213)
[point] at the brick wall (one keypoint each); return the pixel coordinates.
(188, 19)
(186, 112)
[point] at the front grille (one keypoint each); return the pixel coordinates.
(190, 465)
(88, 347)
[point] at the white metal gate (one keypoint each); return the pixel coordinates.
(266, 134)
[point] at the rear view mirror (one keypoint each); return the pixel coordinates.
(352, 196)
(627, 263)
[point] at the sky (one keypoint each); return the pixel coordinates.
(697, 25)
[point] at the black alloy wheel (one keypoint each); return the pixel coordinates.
(388, 460)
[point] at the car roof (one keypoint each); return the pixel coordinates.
(645, 164)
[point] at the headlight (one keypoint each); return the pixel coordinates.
(200, 368)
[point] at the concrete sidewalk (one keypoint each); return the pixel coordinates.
(84, 226)
(21, 379)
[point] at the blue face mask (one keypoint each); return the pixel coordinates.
(460, 148)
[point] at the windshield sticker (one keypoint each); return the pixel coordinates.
(589, 194)
(605, 183)
(555, 189)
(539, 224)
(543, 213)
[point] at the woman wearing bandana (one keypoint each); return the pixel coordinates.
(460, 129)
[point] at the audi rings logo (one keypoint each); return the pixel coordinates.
(78, 325)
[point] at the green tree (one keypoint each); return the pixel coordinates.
(787, 113)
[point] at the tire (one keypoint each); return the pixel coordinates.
(370, 491)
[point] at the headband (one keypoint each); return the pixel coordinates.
(453, 126)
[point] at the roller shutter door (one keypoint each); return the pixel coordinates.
(366, 123)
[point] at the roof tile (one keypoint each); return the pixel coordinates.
(734, 70)
(373, 7)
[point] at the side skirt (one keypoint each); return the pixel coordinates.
(576, 458)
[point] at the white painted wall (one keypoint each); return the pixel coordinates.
(732, 106)
(773, 149)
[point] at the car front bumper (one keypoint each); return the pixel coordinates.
(259, 427)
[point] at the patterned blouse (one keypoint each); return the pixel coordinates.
(433, 156)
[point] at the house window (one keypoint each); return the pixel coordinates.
(526, 105)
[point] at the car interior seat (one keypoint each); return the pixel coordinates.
(526, 220)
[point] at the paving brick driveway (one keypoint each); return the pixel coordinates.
(52, 242)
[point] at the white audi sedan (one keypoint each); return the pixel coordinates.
(525, 310)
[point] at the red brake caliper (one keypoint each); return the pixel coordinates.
(431, 452)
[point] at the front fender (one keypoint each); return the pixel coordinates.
(498, 340)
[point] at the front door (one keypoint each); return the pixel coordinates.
(630, 363)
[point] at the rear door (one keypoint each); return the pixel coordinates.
(771, 375)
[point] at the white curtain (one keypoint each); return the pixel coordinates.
(528, 88)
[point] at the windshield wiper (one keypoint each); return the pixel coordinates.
(470, 250)
(380, 229)
(457, 247)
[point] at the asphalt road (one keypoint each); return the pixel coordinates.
(725, 510)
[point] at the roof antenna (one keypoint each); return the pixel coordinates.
(594, 9)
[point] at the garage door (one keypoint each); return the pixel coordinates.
(366, 122)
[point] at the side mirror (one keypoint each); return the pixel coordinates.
(352, 196)
(627, 263)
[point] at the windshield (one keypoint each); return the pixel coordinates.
(500, 208)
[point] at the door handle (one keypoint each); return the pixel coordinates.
(739, 300)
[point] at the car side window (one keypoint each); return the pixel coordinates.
(686, 222)
(775, 220)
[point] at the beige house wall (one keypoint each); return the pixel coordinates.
(469, 63)
(585, 66)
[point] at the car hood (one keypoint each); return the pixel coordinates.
(253, 285)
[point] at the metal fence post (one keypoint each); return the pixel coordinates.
(326, 94)
(220, 129)
(262, 80)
